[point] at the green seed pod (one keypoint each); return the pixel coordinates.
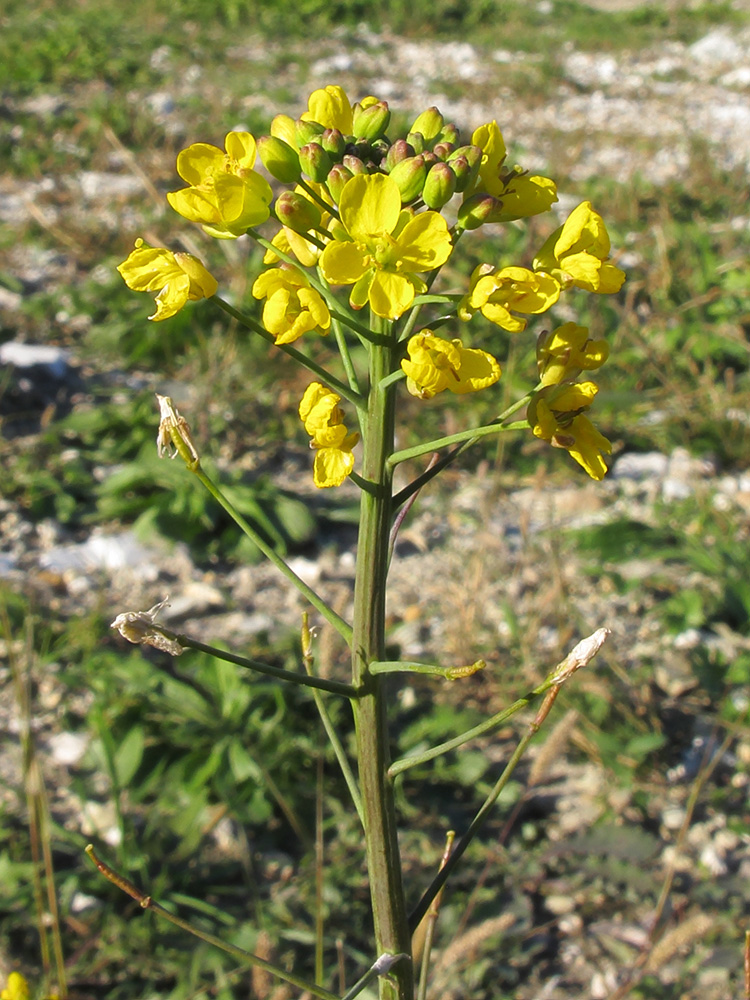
(279, 159)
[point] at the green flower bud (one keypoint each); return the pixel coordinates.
(354, 163)
(450, 133)
(297, 212)
(337, 178)
(410, 176)
(439, 186)
(429, 158)
(443, 149)
(428, 124)
(466, 161)
(400, 150)
(307, 132)
(371, 122)
(417, 142)
(333, 142)
(477, 209)
(279, 159)
(315, 161)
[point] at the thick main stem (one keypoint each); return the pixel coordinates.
(368, 641)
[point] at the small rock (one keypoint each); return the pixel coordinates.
(54, 359)
(68, 748)
(640, 465)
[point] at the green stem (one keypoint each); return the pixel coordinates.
(479, 820)
(330, 380)
(346, 358)
(469, 436)
(404, 763)
(410, 667)
(370, 708)
(325, 205)
(342, 627)
(244, 956)
(304, 680)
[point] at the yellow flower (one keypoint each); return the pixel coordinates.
(556, 415)
(496, 293)
(578, 252)
(17, 988)
(379, 248)
(521, 195)
(435, 364)
(292, 307)
(177, 277)
(225, 195)
(323, 420)
(330, 108)
(566, 352)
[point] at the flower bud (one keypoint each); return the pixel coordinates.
(297, 212)
(279, 159)
(307, 131)
(439, 186)
(450, 133)
(371, 122)
(410, 176)
(417, 142)
(337, 178)
(477, 209)
(466, 161)
(333, 142)
(443, 149)
(354, 163)
(429, 158)
(428, 124)
(315, 161)
(400, 150)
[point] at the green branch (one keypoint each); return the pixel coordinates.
(410, 667)
(469, 436)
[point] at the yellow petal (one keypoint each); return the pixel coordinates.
(331, 467)
(391, 294)
(370, 205)
(424, 243)
(240, 146)
(330, 107)
(343, 263)
(198, 161)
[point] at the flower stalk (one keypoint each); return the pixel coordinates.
(360, 246)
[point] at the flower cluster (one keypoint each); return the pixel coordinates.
(363, 211)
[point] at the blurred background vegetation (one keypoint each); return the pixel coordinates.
(210, 784)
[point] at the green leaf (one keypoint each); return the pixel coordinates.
(129, 755)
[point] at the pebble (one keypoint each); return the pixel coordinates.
(104, 552)
(56, 360)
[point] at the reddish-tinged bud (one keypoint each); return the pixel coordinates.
(297, 212)
(279, 159)
(450, 133)
(354, 164)
(307, 132)
(477, 209)
(333, 142)
(379, 150)
(371, 122)
(429, 158)
(439, 186)
(337, 178)
(443, 149)
(466, 161)
(400, 150)
(410, 176)
(315, 161)
(428, 124)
